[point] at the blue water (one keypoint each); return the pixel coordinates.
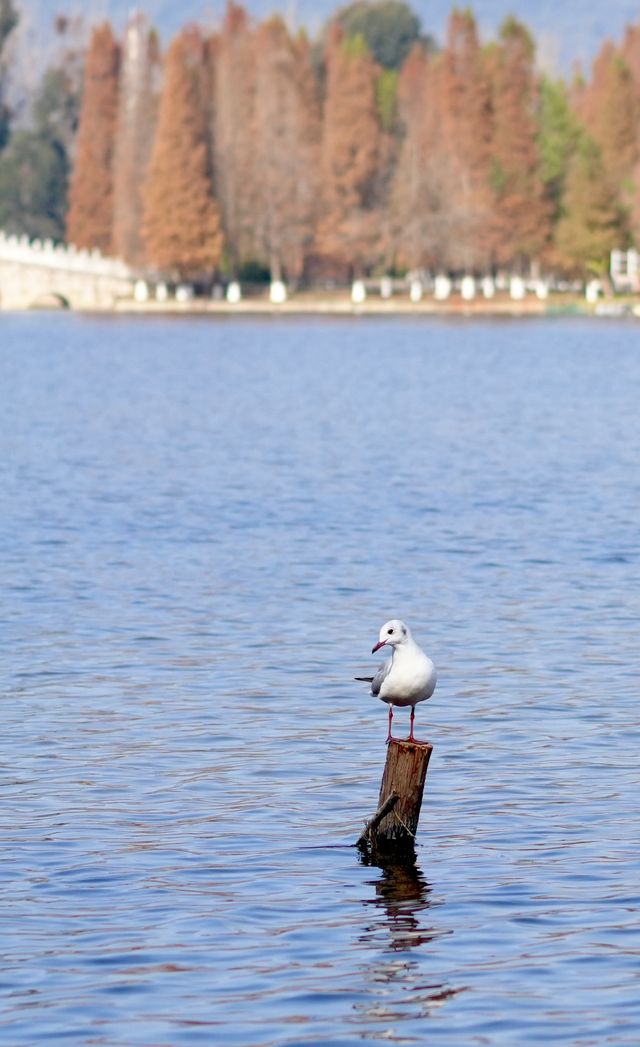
(204, 525)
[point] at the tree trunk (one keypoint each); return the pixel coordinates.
(275, 267)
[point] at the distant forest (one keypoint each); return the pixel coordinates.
(253, 152)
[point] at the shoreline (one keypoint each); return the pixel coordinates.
(342, 306)
(312, 306)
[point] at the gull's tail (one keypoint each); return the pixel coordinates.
(364, 679)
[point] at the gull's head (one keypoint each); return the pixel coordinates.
(392, 634)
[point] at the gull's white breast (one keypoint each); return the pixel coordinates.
(411, 679)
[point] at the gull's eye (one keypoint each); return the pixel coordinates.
(390, 632)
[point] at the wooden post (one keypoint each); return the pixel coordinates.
(393, 827)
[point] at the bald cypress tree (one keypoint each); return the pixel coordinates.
(287, 138)
(350, 153)
(234, 138)
(422, 204)
(406, 214)
(630, 53)
(90, 215)
(441, 198)
(137, 115)
(609, 106)
(610, 110)
(521, 211)
(181, 228)
(465, 141)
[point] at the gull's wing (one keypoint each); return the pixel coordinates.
(380, 677)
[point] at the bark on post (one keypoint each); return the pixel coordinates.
(393, 828)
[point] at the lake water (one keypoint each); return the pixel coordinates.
(204, 526)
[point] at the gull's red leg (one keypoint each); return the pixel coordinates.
(390, 719)
(411, 719)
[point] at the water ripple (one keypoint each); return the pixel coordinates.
(205, 526)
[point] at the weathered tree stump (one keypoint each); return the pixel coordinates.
(392, 829)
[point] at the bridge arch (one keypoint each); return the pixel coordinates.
(50, 300)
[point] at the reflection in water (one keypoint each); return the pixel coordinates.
(402, 892)
(403, 898)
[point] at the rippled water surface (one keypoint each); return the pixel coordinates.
(204, 525)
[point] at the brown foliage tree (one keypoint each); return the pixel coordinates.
(419, 200)
(90, 215)
(287, 139)
(466, 141)
(444, 166)
(234, 159)
(610, 110)
(137, 115)
(181, 228)
(348, 228)
(630, 54)
(520, 226)
(440, 197)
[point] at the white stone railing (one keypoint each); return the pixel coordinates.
(20, 250)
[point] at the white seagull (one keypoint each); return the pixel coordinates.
(407, 677)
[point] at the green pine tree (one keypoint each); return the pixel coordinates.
(8, 22)
(34, 168)
(559, 135)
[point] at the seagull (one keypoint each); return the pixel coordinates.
(407, 677)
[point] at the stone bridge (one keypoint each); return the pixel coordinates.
(36, 273)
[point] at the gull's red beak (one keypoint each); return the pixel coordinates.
(377, 647)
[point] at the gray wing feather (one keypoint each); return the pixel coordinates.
(379, 678)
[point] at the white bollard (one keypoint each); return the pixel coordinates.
(442, 287)
(386, 287)
(488, 287)
(517, 289)
(416, 290)
(162, 293)
(141, 291)
(234, 293)
(468, 288)
(358, 292)
(277, 292)
(592, 291)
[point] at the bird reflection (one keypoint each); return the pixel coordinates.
(402, 893)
